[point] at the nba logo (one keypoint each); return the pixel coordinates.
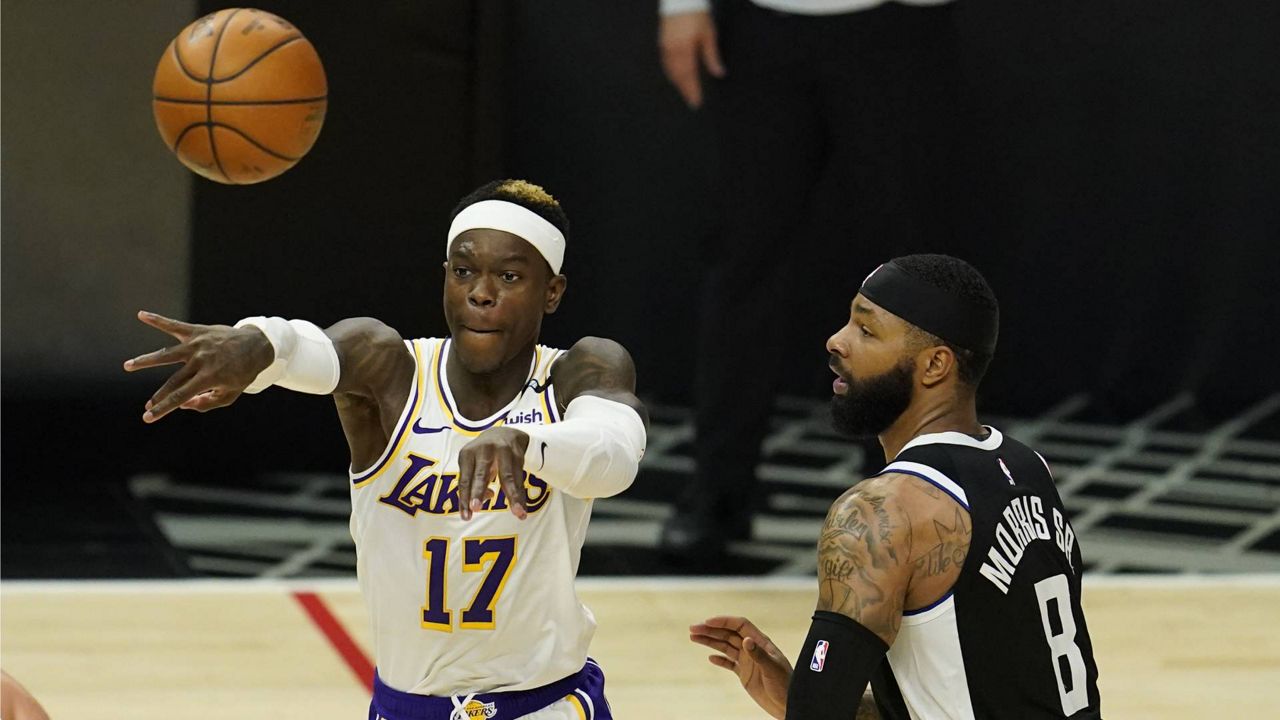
(819, 656)
(1005, 469)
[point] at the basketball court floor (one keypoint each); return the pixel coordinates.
(1179, 521)
(1167, 648)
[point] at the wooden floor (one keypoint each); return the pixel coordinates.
(1167, 648)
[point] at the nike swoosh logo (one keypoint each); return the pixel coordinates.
(544, 456)
(421, 429)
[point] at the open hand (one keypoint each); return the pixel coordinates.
(760, 666)
(497, 451)
(218, 363)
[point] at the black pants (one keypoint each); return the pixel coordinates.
(836, 143)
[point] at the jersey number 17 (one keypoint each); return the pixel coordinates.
(494, 556)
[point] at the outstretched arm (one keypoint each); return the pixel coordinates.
(366, 360)
(594, 451)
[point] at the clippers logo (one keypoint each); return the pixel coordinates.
(1005, 468)
(819, 656)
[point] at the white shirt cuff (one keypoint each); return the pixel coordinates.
(675, 7)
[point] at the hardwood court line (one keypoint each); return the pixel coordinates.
(338, 636)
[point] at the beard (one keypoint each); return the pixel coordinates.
(870, 406)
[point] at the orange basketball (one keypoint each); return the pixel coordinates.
(239, 96)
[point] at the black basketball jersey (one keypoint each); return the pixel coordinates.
(1009, 640)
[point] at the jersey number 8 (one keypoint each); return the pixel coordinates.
(1062, 644)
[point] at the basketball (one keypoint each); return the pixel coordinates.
(239, 96)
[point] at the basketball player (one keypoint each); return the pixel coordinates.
(950, 580)
(474, 461)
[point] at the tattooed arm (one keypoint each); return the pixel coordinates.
(864, 557)
(891, 543)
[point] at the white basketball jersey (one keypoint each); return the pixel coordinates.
(459, 607)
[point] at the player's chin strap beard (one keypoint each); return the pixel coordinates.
(460, 707)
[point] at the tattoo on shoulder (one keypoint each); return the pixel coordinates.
(864, 545)
(950, 545)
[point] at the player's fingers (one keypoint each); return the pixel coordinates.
(752, 652)
(511, 476)
(210, 400)
(716, 644)
(166, 356)
(169, 403)
(466, 467)
(750, 632)
(729, 622)
(479, 478)
(179, 376)
(765, 654)
(219, 401)
(723, 635)
(198, 402)
(724, 662)
(177, 328)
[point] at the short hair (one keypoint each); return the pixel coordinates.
(961, 279)
(523, 193)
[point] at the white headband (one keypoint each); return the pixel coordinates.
(520, 221)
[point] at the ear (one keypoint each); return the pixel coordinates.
(555, 292)
(936, 364)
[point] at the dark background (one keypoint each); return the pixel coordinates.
(1119, 176)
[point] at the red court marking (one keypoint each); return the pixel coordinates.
(338, 636)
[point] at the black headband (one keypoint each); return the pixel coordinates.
(932, 309)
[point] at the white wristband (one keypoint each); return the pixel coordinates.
(305, 359)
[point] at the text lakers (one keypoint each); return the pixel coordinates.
(421, 490)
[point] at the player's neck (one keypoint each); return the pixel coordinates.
(480, 395)
(955, 414)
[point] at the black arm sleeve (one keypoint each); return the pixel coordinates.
(833, 669)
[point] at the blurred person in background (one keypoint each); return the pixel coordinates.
(834, 120)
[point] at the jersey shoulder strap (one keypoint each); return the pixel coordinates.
(934, 468)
